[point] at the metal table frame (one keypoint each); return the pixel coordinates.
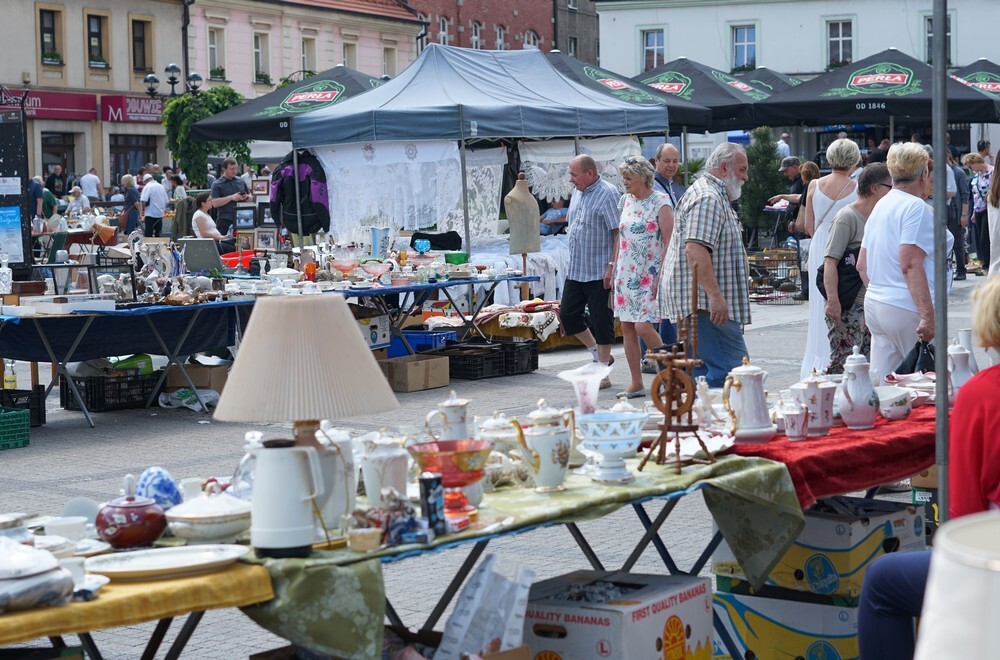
(152, 646)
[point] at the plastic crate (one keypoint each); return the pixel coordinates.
(467, 361)
(420, 341)
(520, 355)
(32, 400)
(14, 431)
(103, 393)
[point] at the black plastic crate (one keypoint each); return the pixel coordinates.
(32, 400)
(520, 355)
(103, 393)
(471, 361)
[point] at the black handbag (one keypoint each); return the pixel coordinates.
(919, 360)
(848, 279)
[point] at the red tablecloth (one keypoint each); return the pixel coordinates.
(847, 461)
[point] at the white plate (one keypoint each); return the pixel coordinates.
(160, 563)
(716, 443)
(91, 547)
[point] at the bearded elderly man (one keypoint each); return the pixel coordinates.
(707, 235)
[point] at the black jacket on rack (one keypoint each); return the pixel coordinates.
(313, 198)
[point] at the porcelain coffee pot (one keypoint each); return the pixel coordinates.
(385, 464)
(745, 400)
(816, 394)
(287, 481)
(453, 415)
(500, 431)
(545, 441)
(859, 402)
(340, 476)
(959, 365)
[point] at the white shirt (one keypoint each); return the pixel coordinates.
(898, 219)
(78, 204)
(90, 185)
(210, 225)
(783, 149)
(154, 196)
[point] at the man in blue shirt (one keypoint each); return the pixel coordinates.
(553, 220)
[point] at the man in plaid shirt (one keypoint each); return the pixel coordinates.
(707, 234)
(593, 229)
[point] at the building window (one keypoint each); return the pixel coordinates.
(571, 4)
(261, 58)
(476, 41)
(501, 38)
(351, 55)
(571, 47)
(929, 30)
(95, 39)
(530, 39)
(216, 53)
(141, 35)
(130, 152)
(840, 35)
(308, 54)
(443, 31)
(744, 47)
(653, 49)
(388, 61)
(422, 37)
(48, 24)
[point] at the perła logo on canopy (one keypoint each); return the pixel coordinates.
(671, 82)
(307, 98)
(883, 79)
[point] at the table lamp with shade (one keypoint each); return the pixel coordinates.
(303, 359)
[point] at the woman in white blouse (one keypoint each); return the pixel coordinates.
(204, 226)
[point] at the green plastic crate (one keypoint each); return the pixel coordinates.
(14, 428)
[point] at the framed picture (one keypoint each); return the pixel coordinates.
(245, 240)
(264, 218)
(267, 239)
(246, 216)
(260, 186)
(120, 280)
(262, 199)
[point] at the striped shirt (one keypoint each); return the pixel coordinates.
(705, 215)
(593, 218)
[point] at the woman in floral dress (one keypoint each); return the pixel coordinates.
(643, 236)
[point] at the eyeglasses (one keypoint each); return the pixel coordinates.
(631, 160)
(887, 185)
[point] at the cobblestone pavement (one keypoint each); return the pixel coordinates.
(67, 459)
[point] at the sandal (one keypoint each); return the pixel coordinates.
(638, 394)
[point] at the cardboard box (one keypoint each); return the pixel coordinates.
(413, 373)
(926, 479)
(841, 537)
(778, 628)
(928, 498)
(203, 377)
(432, 638)
(374, 326)
(666, 617)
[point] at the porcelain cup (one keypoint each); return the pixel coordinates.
(894, 402)
(70, 527)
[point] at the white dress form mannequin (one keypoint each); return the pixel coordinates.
(522, 216)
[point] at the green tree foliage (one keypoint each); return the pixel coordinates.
(764, 180)
(182, 112)
(284, 81)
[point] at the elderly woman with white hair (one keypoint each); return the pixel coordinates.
(78, 202)
(643, 236)
(827, 195)
(896, 261)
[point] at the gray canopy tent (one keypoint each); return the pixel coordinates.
(469, 95)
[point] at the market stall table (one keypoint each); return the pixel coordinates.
(86, 335)
(128, 603)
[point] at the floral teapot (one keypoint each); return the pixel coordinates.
(858, 401)
(816, 393)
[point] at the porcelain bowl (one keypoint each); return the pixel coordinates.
(459, 462)
(612, 427)
(209, 529)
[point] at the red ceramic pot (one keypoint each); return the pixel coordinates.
(130, 521)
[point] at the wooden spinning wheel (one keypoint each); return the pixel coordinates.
(673, 392)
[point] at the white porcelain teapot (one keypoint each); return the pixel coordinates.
(816, 394)
(745, 400)
(453, 414)
(959, 365)
(858, 402)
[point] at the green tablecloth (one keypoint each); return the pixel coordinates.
(334, 602)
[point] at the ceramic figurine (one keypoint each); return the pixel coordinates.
(6, 276)
(744, 398)
(704, 406)
(159, 485)
(858, 402)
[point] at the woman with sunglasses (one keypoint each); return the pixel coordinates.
(643, 236)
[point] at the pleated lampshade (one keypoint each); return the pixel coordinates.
(303, 358)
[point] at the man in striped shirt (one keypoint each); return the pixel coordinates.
(707, 234)
(593, 229)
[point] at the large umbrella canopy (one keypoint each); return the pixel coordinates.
(770, 80)
(269, 117)
(730, 99)
(887, 84)
(683, 114)
(452, 93)
(983, 75)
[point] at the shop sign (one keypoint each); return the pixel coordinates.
(59, 105)
(131, 109)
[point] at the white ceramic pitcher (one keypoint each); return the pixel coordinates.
(816, 394)
(287, 480)
(453, 415)
(859, 405)
(745, 400)
(959, 365)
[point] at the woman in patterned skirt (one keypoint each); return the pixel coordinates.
(643, 236)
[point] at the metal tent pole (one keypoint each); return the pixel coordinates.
(892, 128)
(298, 197)
(465, 199)
(939, 114)
(684, 150)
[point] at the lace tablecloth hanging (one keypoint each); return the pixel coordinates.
(546, 162)
(484, 171)
(407, 185)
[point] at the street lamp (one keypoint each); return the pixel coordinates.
(192, 83)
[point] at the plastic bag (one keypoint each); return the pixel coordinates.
(919, 360)
(187, 399)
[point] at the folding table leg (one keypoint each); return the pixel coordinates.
(87, 642)
(651, 531)
(60, 366)
(588, 551)
(658, 543)
(57, 642)
(455, 584)
(390, 613)
(706, 554)
(723, 634)
(470, 321)
(172, 358)
(184, 635)
(153, 645)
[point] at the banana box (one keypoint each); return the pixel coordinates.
(841, 537)
(595, 614)
(776, 628)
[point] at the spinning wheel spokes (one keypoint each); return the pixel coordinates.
(673, 392)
